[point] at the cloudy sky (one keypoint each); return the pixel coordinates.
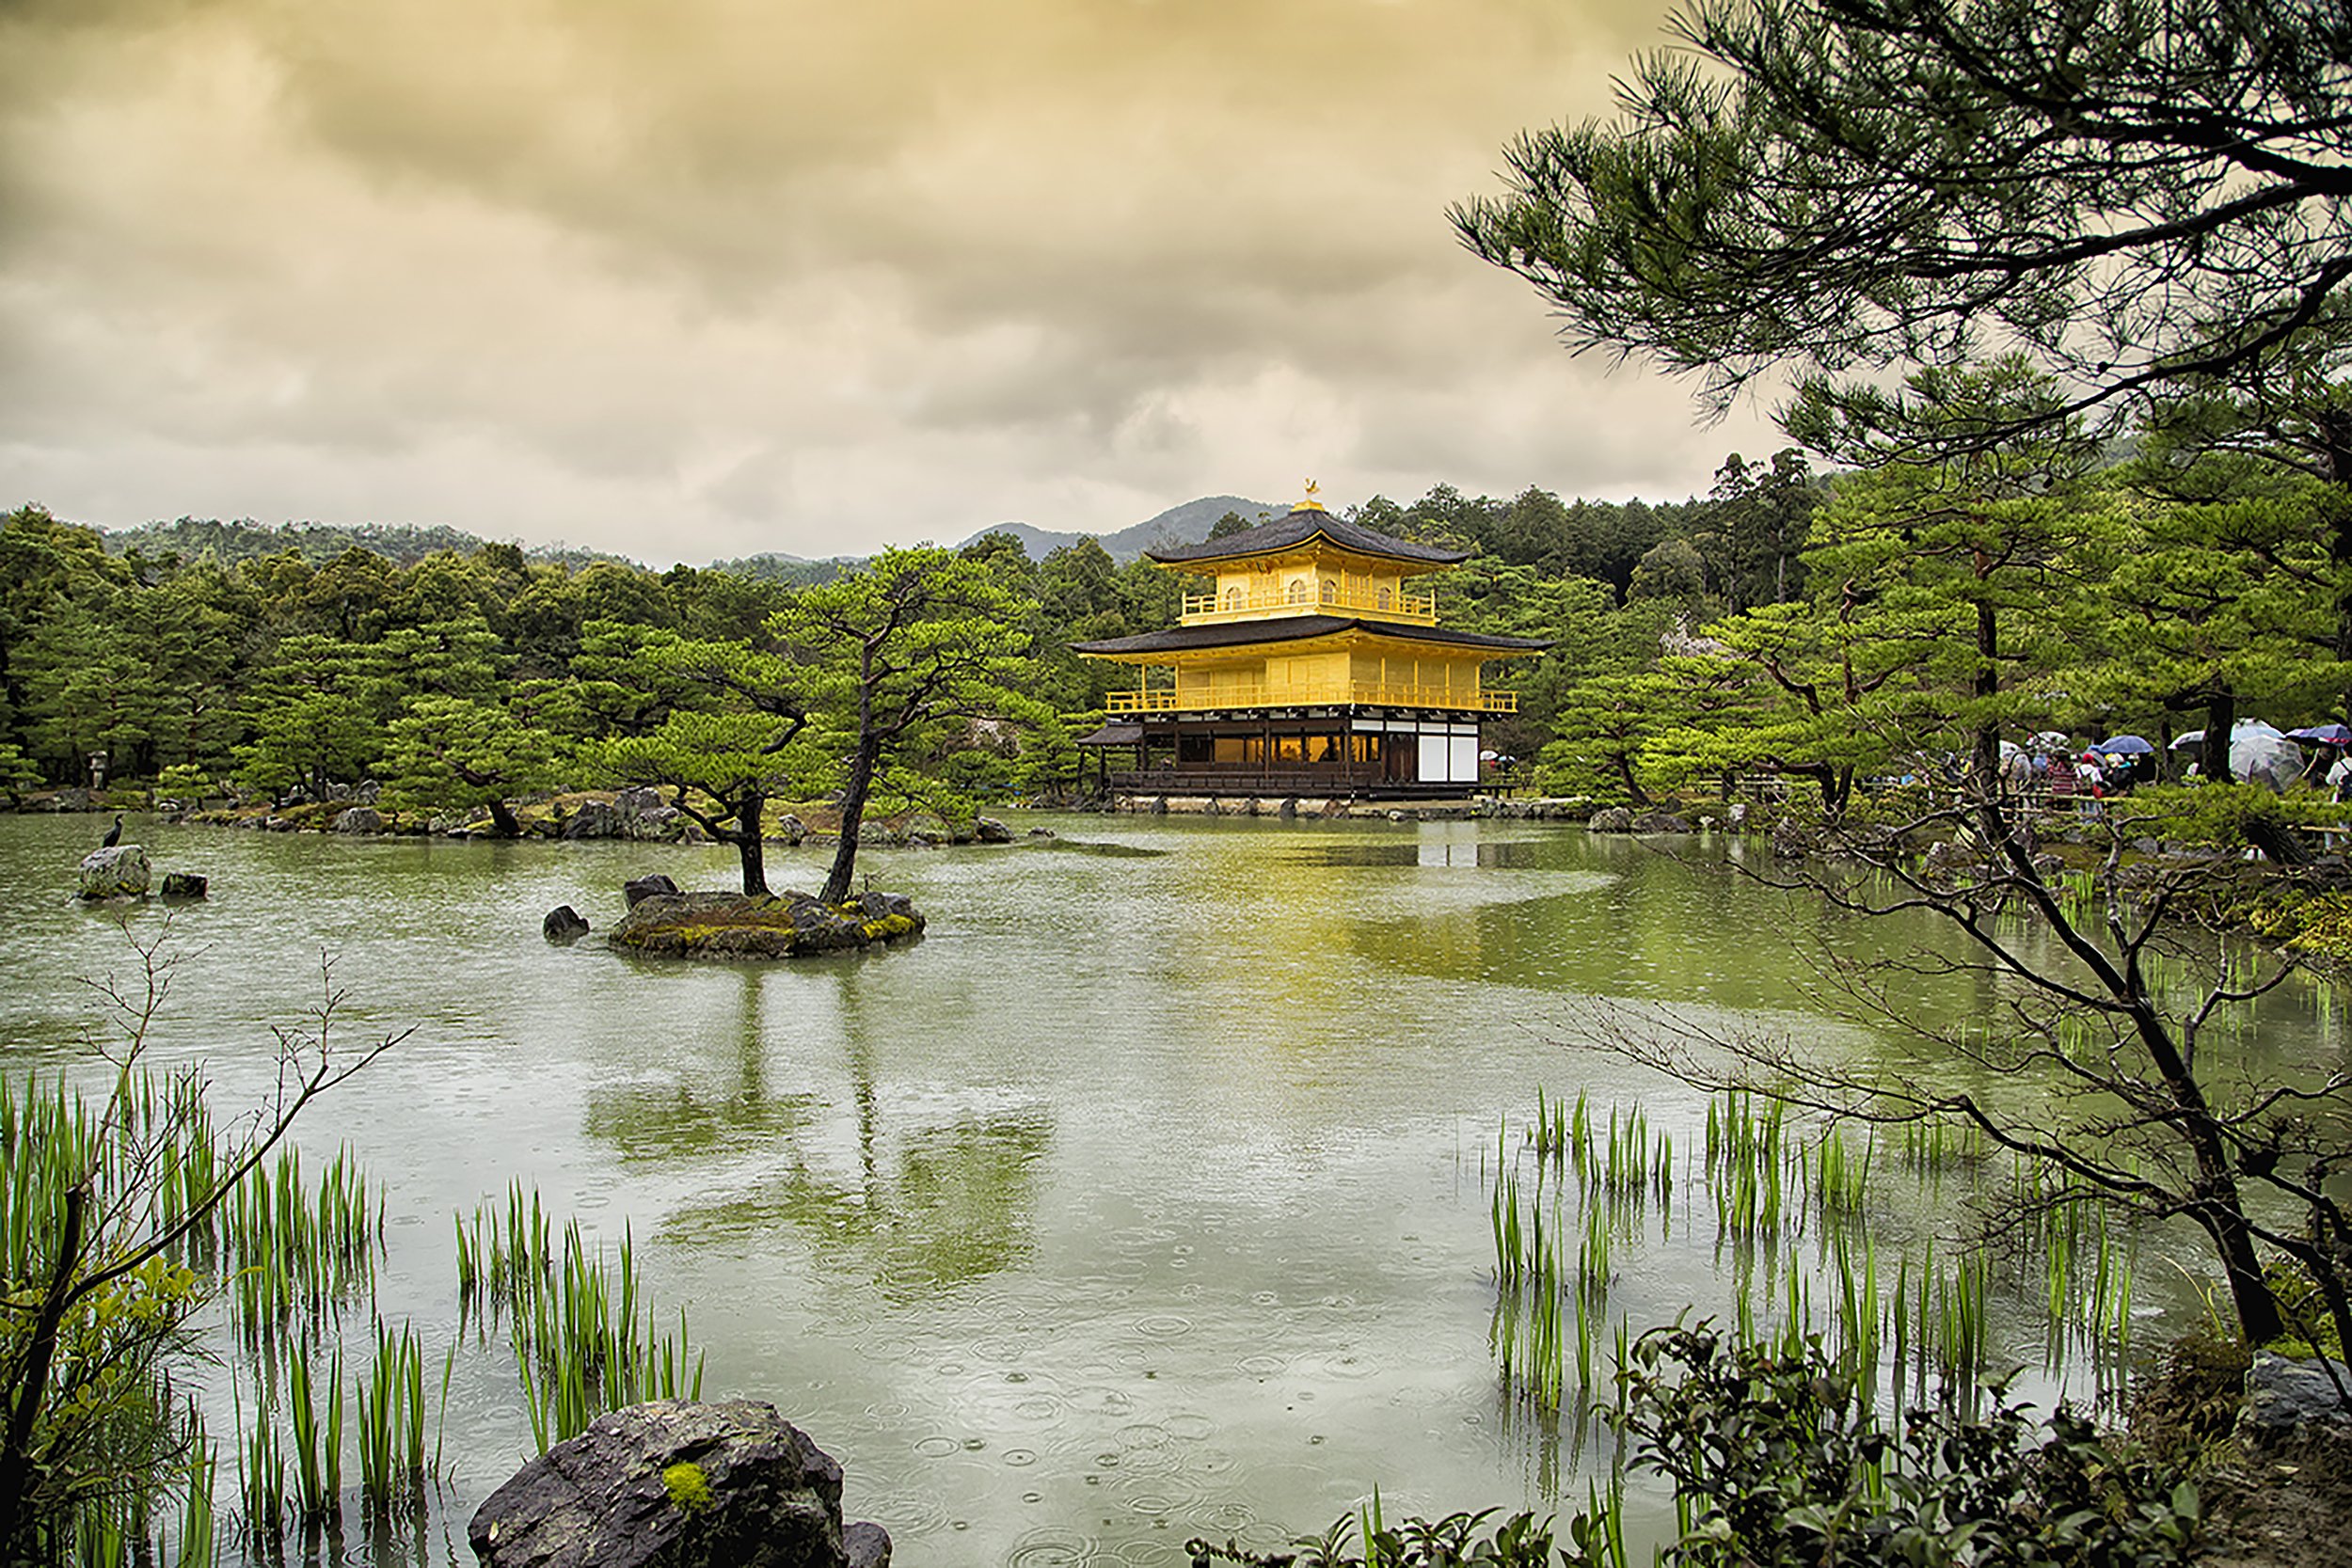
(694, 279)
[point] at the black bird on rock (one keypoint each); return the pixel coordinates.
(114, 835)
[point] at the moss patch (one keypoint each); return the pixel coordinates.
(689, 1488)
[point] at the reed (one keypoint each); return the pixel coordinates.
(582, 1344)
(390, 1408)
(261, 1469)
(1803, 1237)
(198, 1535)
(318, 1444)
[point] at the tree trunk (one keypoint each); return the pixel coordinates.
(2338, 428)
(503, 821)
(2220, 718)
(16, 1453)
(2215, 1204)
(1987, 686)
(1632, 786)
(750, 845)
(862, 764)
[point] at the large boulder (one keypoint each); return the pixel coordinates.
(360, 819)
(751, 926)
(563, 924)
(595, 819)
(2291, 1401)
(118, 872)
(638, 889)
(990, 831)
(676, 1483)
(1610, 819)
(637, 801)
(185, 884)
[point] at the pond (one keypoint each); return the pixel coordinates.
(1145, 1197)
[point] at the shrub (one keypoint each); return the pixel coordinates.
(1780, 1460)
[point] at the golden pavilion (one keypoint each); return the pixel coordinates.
(1311, 669)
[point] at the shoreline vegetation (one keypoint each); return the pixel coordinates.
(2304, 911)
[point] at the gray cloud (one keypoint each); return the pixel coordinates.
(711, 276)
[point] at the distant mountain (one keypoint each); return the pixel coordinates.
(1187, 524)
(403, 544)
(790, 570)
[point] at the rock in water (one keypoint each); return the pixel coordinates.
(122, 872)
(1610, 819)
(360, 819)
(677, 1484)
(747, 925)
(992, 831)
(563, 924)
(185, 884)
(638, 889)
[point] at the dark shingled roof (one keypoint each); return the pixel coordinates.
(1302, 524)
(1292, 628)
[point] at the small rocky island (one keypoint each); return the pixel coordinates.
(666, 923)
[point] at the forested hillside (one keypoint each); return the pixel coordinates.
(1782, 624)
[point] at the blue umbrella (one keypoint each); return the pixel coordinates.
(2325, 734)
(2123, 745)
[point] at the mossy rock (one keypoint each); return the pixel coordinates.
(741, 926)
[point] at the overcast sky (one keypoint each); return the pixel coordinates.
(694, 278)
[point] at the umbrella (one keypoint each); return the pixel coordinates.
(2194, 737)
(2261, 754)
(2124, 745)
(2050, 740)
(2324, 735)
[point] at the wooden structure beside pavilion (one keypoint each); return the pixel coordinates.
(1311, 669)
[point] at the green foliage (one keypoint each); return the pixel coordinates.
(184, 782)
(2227, 817)
(1455, 1541)
(454, 753)
(17, 771)
(914, 654)
(120, 1219)
(1834, 187)
(105, 1429)
(2312, 1326)
(1780, 1459)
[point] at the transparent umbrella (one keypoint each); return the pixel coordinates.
(2261, 754)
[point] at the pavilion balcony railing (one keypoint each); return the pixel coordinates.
(1303, 694)
(1207, 609)
(1280, 780)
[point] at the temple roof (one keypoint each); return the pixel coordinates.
(1304, 522)
(1293, 628)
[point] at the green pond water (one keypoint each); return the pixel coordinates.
(1143, 1198)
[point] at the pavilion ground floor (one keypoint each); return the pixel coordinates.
(1345, 752)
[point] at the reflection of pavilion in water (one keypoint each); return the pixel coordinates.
(937, 1199)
